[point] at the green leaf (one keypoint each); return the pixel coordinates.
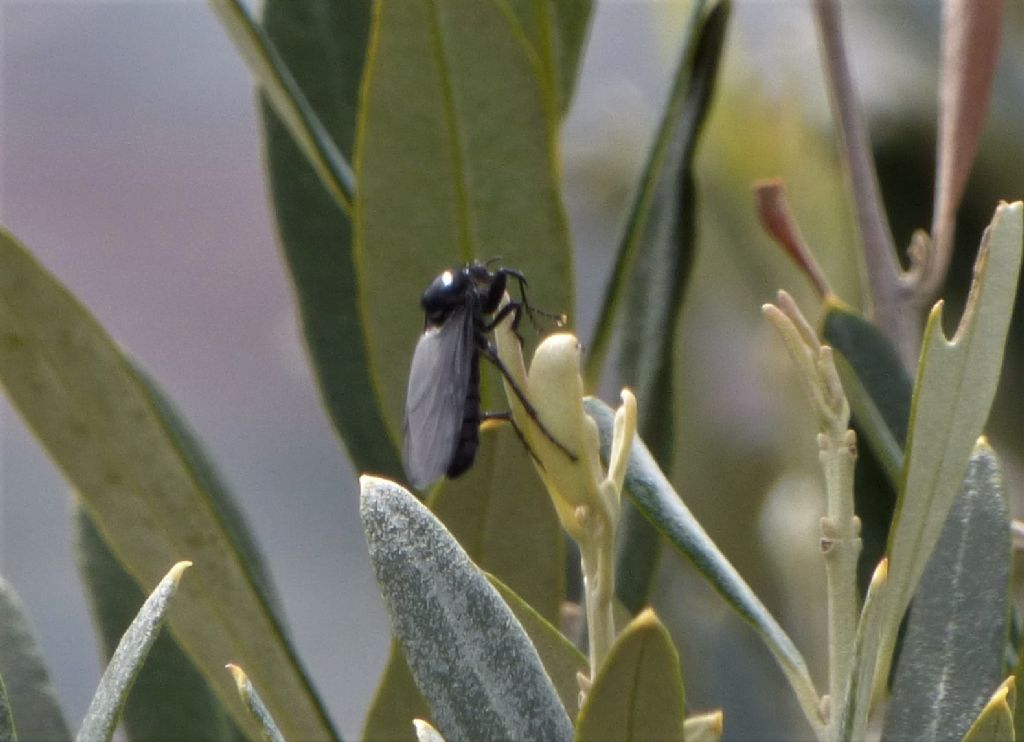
(879, 391)
(105, 709)
(874, 498)
(704, 727)
(275, 80)
(652, 494)
(572, 20)
(875, 383)
(638, 693)
(969, 63)
(853, 710)
(660, 221)
(470, 656)
(500, 513)
(170, 700)
(562, 660)
(956, 382)
(655, 257)
(149, 493)
(953, 650)
(208, 479)
(636, 559)
(30, 696)
(502, 516)
(455, 161)
(323, 43)
(268, 729)
(556, 31)
(662, 236)
(995, 722)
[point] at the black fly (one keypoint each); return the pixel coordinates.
(442, 404)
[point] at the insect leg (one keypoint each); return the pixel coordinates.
(507, 417)
(489, 353)
(531, 310)
(514, 308)
(523, 300)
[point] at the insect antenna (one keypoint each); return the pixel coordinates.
(531, 311)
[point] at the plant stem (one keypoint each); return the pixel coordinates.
(597, 554)
(840, 528)
(885, 279)
(841, 545)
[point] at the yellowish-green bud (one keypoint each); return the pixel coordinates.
(578, 483)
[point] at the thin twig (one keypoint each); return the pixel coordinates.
(883, 269)
(840, 527)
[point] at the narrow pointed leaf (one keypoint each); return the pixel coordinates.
(276, 81)
(655, 257)
(651, 493)
(638, 692)
(105, 709)
(995, 722)
(323, 43)
(956, 382)
(970, 50)
(952, 655)
(853, 710)
(660, 221)
(30, 695)
(471, 659)
(150, 493)
(268, 729)
(881, 390)
(170, 700)
(502, 516)
(455, 161)
(664, 236)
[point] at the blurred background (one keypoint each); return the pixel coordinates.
(130, 163)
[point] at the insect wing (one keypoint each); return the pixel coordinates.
(436, 398)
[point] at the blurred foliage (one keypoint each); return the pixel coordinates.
(452, 114)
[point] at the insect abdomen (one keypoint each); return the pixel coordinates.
(469, 434)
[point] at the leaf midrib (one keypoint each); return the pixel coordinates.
(451, 126)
